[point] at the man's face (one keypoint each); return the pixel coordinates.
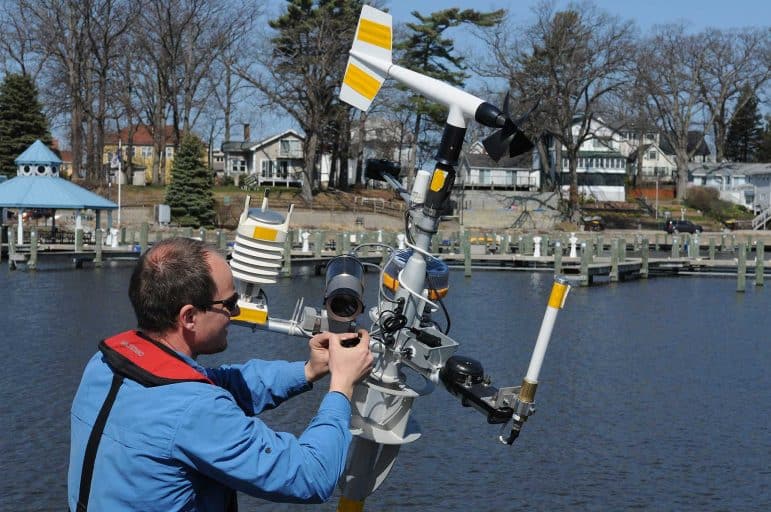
(212, 336)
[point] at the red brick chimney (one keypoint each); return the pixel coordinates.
(247, 133)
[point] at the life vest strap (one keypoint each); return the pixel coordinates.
(146, 361)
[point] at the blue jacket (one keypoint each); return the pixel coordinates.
(184, 446)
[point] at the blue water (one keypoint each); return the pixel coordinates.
(654, 395)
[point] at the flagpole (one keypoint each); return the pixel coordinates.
(120, 178)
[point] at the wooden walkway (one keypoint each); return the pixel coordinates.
(599, 262)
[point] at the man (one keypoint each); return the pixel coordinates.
(154, 430)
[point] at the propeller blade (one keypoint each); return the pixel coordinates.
(520, 144)
(495, 145)
(508, 140)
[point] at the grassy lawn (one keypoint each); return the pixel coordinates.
(233, 196)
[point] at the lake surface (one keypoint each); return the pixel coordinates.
(654, 395)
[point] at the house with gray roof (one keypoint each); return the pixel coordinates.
(745, 184)
(275, 161)
(478, 171)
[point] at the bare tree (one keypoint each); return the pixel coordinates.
(106, 26)
(20, 51)
(732, 60)
(669, 67)
(301, 68)
(60, 29)
(571, 60)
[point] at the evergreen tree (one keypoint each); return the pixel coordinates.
(427, 50)
(189, 195)
(745, 132)
(303, 72)
(21, 120)
(764, 148)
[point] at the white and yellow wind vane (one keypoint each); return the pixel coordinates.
(370, 62)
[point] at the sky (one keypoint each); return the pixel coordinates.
(698, 14)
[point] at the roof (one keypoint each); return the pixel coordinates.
(483, 161)
(37, 154)
(274, 138)
(694, 137)
(235, 146)
(49, 192)
(142, 136)
(730, 168)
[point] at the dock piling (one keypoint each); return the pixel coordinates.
(585, 256)
(557, 258)
(98, 247)
(144, 237)
(614, 254)
(741, 268)
(466, 255)
(760, 255)
(33, 240)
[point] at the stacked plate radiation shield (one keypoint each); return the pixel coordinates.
(259, 246)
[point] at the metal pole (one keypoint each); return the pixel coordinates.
(120, 179)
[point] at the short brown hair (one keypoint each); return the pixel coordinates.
(173, 273)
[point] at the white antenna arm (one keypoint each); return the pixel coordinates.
(431, 88)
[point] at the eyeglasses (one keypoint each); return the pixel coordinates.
(231, 303)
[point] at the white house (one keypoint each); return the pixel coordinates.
(748, 185)
(601, 164)
(656, 163)
(477, 170)
(277, 160)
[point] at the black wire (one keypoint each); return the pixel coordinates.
(441, 303)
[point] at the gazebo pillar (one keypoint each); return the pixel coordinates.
(78, 220)
(20, 228)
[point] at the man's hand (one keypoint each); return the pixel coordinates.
(318, 362)
(348, 364)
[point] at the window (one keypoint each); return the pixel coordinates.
(41, 169)
(237, 165)
(652, 155)
(267, 168)
(147, 152)
(290, 148)
(169, 151)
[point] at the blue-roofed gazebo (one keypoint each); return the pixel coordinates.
(37, 185)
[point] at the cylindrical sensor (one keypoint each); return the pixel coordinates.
(343, 293)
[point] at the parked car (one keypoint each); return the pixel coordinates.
(682, 226)
(594, 223)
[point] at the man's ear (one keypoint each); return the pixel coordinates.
(187, 316)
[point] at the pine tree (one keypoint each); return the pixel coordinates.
(189, 195)
(745, 132)
(427, 50)
(764, 148)
(21, 120)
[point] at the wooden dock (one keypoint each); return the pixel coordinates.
(590, 259)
